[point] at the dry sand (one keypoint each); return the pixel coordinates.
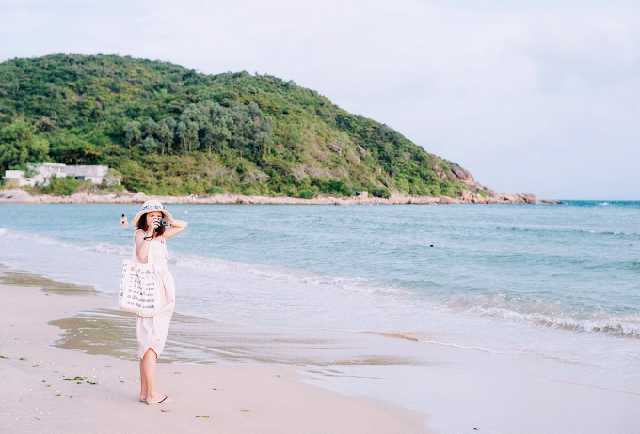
(49, 389)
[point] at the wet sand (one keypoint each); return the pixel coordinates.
(198, 340)
(68, 366)
(21, 278)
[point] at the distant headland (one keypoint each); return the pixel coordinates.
(170, 131)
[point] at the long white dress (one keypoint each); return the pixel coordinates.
(151, 332)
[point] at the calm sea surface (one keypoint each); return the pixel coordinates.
(572, 266)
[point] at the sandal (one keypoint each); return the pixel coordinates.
(158, 402)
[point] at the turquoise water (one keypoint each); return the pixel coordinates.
(572, 266)
(521, 316)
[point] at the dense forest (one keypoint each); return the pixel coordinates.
(165, 129)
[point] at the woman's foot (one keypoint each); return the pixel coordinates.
(157, 399)
(143, 398)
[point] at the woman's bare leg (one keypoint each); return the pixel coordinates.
(149, 368)
(143, 383)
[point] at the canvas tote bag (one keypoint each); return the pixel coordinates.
(140, 289)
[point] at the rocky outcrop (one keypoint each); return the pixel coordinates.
(15, 195)
(462, 174)
(478, 193)
(527, 198)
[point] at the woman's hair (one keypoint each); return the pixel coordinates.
(122, 215)
(142, 224)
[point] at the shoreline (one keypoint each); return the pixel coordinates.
(21, 196)
(53, 389)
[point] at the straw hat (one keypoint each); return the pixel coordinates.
(151, 205)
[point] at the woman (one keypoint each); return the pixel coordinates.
(151, 333)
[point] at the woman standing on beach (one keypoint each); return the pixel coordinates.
(154, 225)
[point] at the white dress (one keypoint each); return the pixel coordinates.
(152, 332)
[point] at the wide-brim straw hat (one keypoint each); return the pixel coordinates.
(151, 205)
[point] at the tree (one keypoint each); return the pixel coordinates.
(68, 148)
(20, 145)
(132, 134)
(149, 128)
(164, 135)
(187, 133)
(149, 144)
(45, 124)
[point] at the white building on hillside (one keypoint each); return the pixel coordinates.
(92, 172)
(42, 173)
(16, 176)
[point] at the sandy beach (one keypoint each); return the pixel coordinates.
(55, 383)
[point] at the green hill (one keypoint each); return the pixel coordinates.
(171, 130)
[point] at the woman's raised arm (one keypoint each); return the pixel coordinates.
(142, 246)
(176, 227)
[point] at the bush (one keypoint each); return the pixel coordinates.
(214, 189)
(381, 192)
(335, 186)
(7, 184)
(306, 194)
(103, 188)
(63, 186)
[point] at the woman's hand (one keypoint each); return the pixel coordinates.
(155, 222)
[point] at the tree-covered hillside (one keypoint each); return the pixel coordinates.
(171, 130)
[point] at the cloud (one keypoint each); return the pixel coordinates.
(534, 96)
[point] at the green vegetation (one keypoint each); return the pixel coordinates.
(63, 186)
(381, 192)
(170, 130)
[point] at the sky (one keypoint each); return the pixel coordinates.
(532, 96)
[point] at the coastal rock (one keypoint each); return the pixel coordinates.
(139, 197)
(476, 198)
(82, 197)
(16, 195)
(364, 198)
(518, 198)
(469, 197)
(461, 173)
(448, 200)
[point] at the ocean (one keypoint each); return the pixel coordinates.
(383, 292)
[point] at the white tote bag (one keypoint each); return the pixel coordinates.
(140, 289)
